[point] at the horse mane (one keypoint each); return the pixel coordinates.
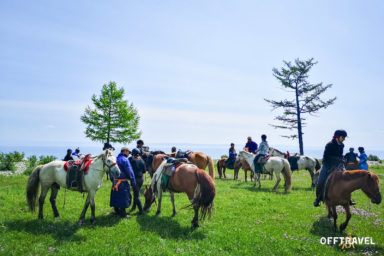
(349, 175)
(278, 151)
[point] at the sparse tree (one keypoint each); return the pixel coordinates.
(113, 119)
(294, 79)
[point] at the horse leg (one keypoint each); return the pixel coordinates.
(54, 190)
(278, 179)
(334, 218)
(224, 172)
(93, 206)
(173, 204)
(195, 220)
(311, 173)
(348, 213)
(259, 179)
(245, 174)
(43, 194)
(159, 202)
(82, 216)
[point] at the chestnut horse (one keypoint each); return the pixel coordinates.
(242, 164)
(341, 184)
(189, 179)
(201, 160)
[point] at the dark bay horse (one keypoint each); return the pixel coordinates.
(189, 179)
(53, 176)
(339, 187)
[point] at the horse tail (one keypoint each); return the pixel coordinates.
(218, 167)
(204, 194)
(317, 166)
(211, 167)
(287, 175)
(33, 188)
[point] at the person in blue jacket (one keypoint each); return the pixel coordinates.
(120, 192)
(231, 157)
(251, 146)
(363, 159)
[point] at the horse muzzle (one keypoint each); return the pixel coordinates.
(376, 199)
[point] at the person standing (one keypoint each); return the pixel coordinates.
(120, 192)
(250, 146)
(262, 152)
(139, 169)
(363, 159)
(332, 160)
(68, 156)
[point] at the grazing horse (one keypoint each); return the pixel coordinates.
(189, 179)
(341, 184)
(298, 162)
(275, 165)
(52, 175)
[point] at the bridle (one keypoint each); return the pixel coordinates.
(104, 157)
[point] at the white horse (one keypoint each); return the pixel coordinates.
(299, 162)
(275, 165)
(52, 175)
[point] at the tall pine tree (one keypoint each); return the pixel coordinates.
(113, 119)
(294, 79)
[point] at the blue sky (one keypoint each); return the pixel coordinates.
(197, 71)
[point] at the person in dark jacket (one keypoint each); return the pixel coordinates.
(139, 169)
(351, 156)
(120, 193)
(332, 160)
(68, 156)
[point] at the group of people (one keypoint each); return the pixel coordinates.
(333, 158)
(351, 157)
(72, 155)
(252, 147)
(132, 168)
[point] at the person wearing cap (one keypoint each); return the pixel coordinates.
(75, 154)
(363, 159)
(68, 156)
(138, 166)
(139, 146)
(332, 160)
(108, 146)
(120, 192)
(250, 146)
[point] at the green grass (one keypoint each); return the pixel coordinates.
(246, 221)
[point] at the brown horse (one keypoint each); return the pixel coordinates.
(353, 165)
(221, 167)
(339, 187)
(153, 162)
(189, 179)
(201, 160)
(242, 164)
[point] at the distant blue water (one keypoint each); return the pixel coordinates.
(216, 150)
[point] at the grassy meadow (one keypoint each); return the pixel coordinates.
(246, 221)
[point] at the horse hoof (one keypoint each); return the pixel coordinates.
(57, 217)
(342, 227)
(93, 222)
(174, 214)
(158, 213)
(81, 222)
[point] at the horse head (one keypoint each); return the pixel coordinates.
(371, 188)
(109, 160)
(149, 197)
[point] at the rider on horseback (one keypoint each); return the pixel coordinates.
(332, 160)
(231, 158)
(263, 151)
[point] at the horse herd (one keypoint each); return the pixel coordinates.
(192, 179)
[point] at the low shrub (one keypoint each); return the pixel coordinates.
(373, 158)
(8, 160)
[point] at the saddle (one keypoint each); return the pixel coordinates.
(169, 169)
(263, 160)
(183, 154)
(76, 169)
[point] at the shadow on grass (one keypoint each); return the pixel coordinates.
(323, 227)
(168, 227)
(62, 231)
(262, 189)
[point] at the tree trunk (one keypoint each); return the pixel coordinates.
(299, 128)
